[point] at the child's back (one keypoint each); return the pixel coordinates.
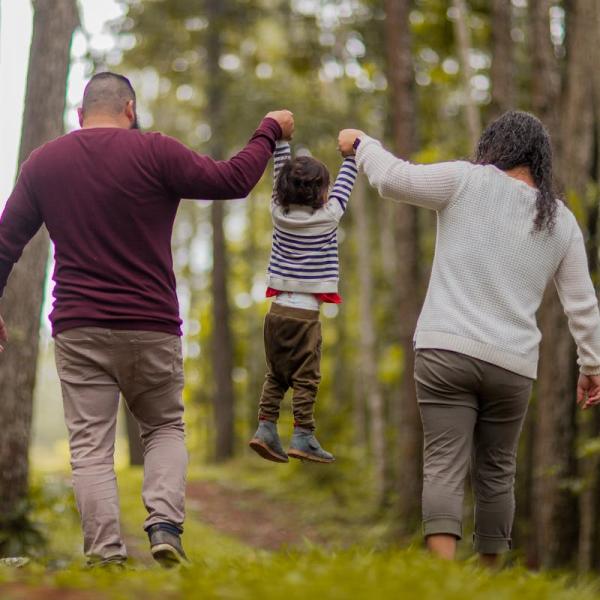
(304, 254)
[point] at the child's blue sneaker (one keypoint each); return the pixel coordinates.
(266, 443)
(304, 446)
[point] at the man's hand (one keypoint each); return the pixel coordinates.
(588, 390)
(346, 140)
(3, 334)
(285, 118)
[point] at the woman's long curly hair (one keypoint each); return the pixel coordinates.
(518, 139)
(303, 180)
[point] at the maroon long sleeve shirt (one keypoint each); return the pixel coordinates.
(108, 197)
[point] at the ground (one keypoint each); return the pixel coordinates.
(257, 537)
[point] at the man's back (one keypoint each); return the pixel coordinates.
(109, 197)
(110, 215)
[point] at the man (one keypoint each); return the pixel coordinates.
(108, 195)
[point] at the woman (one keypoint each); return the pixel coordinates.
(501, 237)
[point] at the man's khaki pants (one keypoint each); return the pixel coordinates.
(94, 365)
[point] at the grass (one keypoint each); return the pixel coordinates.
(225, 568)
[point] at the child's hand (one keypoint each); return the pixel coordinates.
(285, 118)
(346, 140)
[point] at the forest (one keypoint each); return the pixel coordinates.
(425, 77)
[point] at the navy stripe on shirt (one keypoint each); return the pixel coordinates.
(310, 257)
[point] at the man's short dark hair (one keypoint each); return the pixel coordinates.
(107, 93)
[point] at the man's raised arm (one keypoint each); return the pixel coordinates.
(196, 176)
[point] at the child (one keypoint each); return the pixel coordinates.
(303, 272)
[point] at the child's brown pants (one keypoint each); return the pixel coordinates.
(293, 351)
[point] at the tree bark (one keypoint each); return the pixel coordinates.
(554, 452)
(545, 72)
(546, 498)
(367, 364)
(463, 46)
(222, 346)
(502, 72)
(577, 167)
(255, 360)
(402, 106)
(53, 24)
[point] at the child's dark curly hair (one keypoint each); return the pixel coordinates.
(303, 180)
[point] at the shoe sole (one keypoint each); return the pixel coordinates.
(265, 452)
(168, 557)
(308, 457)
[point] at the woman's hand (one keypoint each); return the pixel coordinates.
(346, 139)
(588, 391)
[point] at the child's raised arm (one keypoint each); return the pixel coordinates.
(282, 154)
(342, 188)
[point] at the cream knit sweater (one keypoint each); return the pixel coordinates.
(491, 268)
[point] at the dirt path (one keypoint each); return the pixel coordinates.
(21, 591)
(249, 516)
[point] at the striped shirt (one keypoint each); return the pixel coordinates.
(304, 252)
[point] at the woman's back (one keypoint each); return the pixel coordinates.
(492, 264)
(491, 269)
(499, 242)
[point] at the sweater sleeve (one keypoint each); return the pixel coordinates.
(282, 154)
(196, 176)
(580, 304)
(429, 186)
(20, 221)
(342, 188)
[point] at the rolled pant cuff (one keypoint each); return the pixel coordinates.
(491, 545)
(442, 525)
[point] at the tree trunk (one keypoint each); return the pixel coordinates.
(463, 45)
(502, 71)
(545, 72)
(222, 347)
(255, 360)
(402, 106)
(545, 87)
(554, 452)
(577, 166)
(367, 363)
(53, 24)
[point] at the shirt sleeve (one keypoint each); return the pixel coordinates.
(342, 188)
(20, 221)
(429, 186)
(282, 154)
(197, 176)
(578, 297)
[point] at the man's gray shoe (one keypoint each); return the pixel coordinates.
(304, 446)
(267, 444)
(166, 547)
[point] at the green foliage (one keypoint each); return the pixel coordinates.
(19, 535)
(225, 568)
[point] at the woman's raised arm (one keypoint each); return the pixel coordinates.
(430, 186)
